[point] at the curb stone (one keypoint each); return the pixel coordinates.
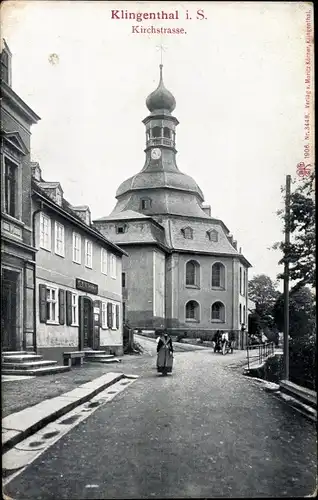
(18, 426)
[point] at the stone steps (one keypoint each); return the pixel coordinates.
(47, 370)
(29, 365)
(21, 358)
(92, 356)
(24, 363)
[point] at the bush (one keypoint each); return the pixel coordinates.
(302, 361)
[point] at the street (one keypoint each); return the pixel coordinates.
(204, 431)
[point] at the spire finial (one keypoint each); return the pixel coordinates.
(162, 49)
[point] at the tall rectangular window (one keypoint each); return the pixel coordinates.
(113, 270)
(52, 304)
(59, 239)
(77, 248)
(114, 327)
(88, 254)
(74, 309)
(45, 232)
(104, 261)
(10, 187)
(123, 280)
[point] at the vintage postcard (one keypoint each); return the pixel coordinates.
(158, 325)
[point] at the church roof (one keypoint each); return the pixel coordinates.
(151, 180)
(126, 214)
(161, 98)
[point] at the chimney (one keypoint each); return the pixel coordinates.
(240, 250)
(207, 209)
(36, 171)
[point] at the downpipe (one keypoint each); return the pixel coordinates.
(34, 277)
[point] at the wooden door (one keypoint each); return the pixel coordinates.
(9, 310)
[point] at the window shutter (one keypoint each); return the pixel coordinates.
(42, 303)
(110, 315)
(61, 307)
(98, 304)
(68, 307)
(117, 316)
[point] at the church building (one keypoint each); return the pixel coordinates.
(183, 270)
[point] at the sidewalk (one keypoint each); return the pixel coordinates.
(19, 394)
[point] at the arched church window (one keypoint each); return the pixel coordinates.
(148, 135)
(218, 275)
(156, 132)
(192, 312)
(192, 273)
(240, 311)
(244, 314)
(187, 233)
(218, 312)
(166, 132)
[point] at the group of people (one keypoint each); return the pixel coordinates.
(222, 342)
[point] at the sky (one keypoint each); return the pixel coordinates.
(238, 76)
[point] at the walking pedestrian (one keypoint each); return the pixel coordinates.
(164, 354)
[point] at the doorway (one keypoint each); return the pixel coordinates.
(9, 309)
(86, 323)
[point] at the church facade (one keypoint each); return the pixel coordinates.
(183, 270)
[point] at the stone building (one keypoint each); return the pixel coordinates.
(184, 271)
(78, 277)
(17, 250)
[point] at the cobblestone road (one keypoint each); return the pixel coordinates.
(206, 431)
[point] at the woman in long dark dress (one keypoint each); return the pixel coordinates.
(164, 354)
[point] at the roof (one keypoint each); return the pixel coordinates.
(126, 214)
(67, 212)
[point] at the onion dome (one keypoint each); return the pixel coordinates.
(161, 98)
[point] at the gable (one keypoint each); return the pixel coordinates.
(14, 140)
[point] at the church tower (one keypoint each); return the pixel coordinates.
(183, 271)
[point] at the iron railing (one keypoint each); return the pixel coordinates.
(259, 352)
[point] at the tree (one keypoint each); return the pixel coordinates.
(263, 291)
(301, 251)
(301, 313)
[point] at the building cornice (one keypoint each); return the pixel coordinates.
(18, 103)
(146, 243)
(217, 254)
(66, 215)
(147, 218)
(18, 243)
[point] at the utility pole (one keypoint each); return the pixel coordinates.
(286, 279)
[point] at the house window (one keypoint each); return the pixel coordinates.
(218, 312)
(145, 204)
(104, 261)
(240, 280)
(213, 235)
(104, 315)
(74, 309)
(192, 273)
(120, 229)
(218, 275)
(123, 280)
(192, 311)
(52, 305)
(187, 233)
(45, 232)
(77, 248)
(113, 270)
(88, 254)
(5, 70)
(59, 239)
(10, 187)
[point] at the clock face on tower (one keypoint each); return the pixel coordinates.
(155, 153)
